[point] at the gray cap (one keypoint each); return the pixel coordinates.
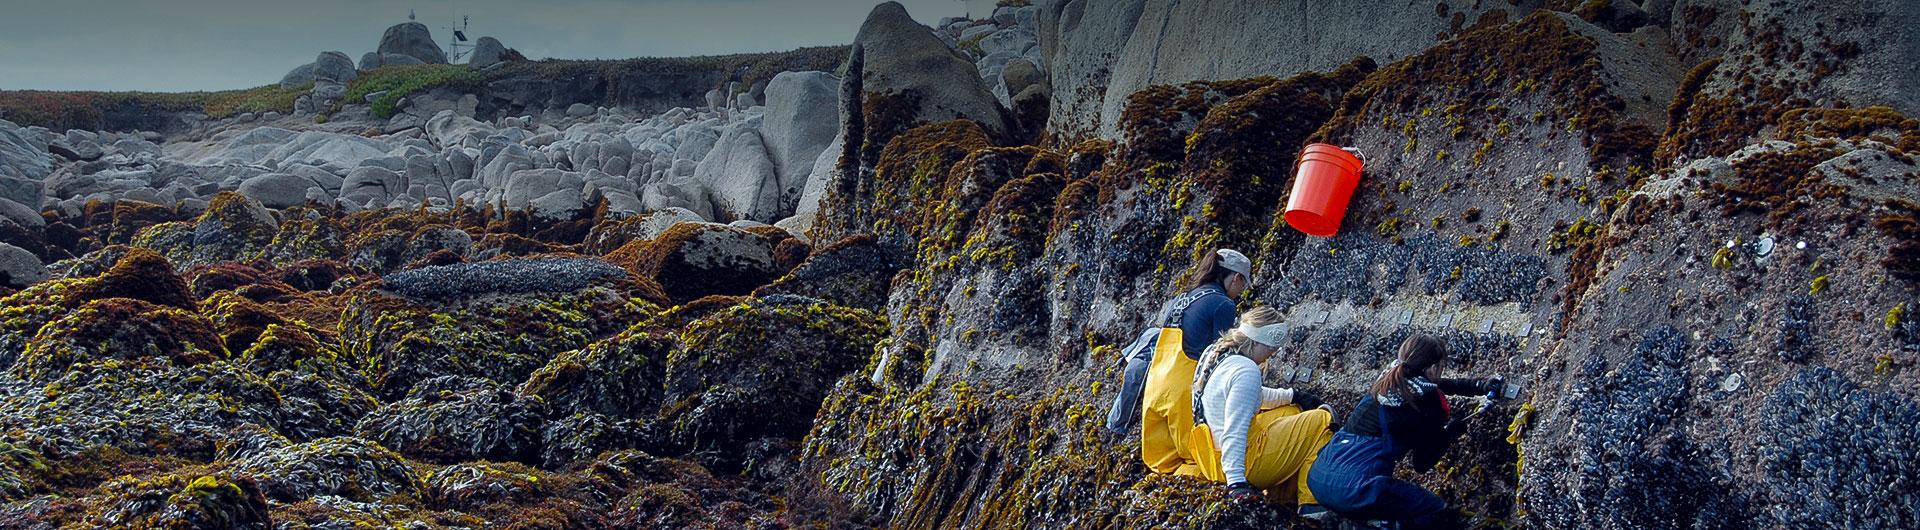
(1234, 261)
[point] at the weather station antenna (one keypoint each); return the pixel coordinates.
(458, 47)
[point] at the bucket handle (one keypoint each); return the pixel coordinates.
(1356, 154)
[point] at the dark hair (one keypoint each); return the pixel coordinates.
(1210, 271)
(1417, 354)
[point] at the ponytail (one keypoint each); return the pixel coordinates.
(1417, 354)
(1217, 266)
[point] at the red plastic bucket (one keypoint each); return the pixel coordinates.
(1322, 186)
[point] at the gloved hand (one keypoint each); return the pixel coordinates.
(1494, 387)
(1456, 427)
(1244, 493)
(1306, 400)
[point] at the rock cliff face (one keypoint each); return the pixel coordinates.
(1537, 195)
(1689, 229)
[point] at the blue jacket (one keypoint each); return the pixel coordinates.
(1206, 320)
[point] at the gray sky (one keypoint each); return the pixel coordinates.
(181, 45)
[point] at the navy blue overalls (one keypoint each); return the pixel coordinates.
(1354, 478)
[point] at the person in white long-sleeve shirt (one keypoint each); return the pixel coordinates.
(1264, 437)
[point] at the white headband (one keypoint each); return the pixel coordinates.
(1270, 334)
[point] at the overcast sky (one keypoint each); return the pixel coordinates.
(181, 45)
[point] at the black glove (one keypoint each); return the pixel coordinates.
(1456, 427)
(1494, 387)
(1306, 400)
(1244, 493)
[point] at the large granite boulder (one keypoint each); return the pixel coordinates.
(740, 181)
(486, 51)
(904, 59)
(414, 40)
(330, 66)
(802, 119)
(277, 190)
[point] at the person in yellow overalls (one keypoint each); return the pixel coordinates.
(1255, 438)
(1188, 323)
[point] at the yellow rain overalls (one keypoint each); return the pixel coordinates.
(1282, 444)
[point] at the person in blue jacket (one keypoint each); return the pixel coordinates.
(1204, 312)
(1404, 415)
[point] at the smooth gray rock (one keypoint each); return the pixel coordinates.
(741, 182)
(1169, 42)
(334, 66)
(511, 159)
(414, 40)
(904, 56)
(819, 177)
(801, 120)
(559, 205)
(20, 214)
(1011, 40)
(132, 146)
(486, 51)
(975, 33)
(329, 66)
(19, 268)
(370, 183)
(19, 157)
(277, 190)
(1020, 74)
(524, 186)
(663, 195)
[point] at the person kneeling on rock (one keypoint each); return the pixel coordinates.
(1160, 364)
(1249, 436)
(1403, 413)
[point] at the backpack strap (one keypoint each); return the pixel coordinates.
(1177, 309)
(1204, 372)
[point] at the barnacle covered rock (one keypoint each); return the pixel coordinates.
(452, 419)
(189, 500)
(129, 333)
(503, 338)
(619, 376)
(761, 368)
(505, 276)
(854, 272)
(693, 260)
(346, 466)
(141, 410)
(234, 228)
